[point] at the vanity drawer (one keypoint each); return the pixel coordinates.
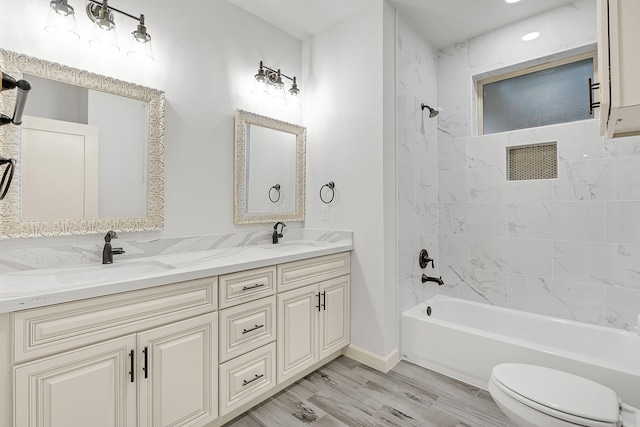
(246, 327)
(57, 328)
(247, 377)
(247, 286)
(301, 273)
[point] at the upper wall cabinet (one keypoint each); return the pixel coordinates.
(618, 35)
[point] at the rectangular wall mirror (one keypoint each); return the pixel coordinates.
(270, 174)
(89, 151)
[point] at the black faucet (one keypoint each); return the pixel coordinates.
(275, 234)
(438, 280)
(108, 251)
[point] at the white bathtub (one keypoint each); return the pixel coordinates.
(465, 340)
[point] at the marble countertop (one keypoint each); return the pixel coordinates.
(36, 288)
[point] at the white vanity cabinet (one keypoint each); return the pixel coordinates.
(193, 353)
(121, 360)
(619, 67)
(170, 371)
(177, 377)
(313, 319)
(247, 337)
(88, 386)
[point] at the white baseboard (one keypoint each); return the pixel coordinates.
(383, 364)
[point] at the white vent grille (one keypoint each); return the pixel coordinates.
(538, 161)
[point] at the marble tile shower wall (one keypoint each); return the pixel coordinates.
(416, 162)
(568, 247)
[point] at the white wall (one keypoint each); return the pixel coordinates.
(271, 160)
(568, 247)
(121, 123)
(346, 73)
(205, 59)
(57, 101)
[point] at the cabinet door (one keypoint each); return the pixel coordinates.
(178, 375)
(87, 387)
(334, 315)
(297, 330)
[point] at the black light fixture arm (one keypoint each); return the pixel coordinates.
(277, 72)
(137, 18)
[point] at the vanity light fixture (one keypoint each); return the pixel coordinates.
(269, 81)
(104, 34)
(62, 20)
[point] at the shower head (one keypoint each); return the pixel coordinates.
(432, 111)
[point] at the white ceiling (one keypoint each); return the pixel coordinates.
(442, 22)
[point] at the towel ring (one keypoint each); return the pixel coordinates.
(277, 188)
(7, 176)
(331, 187)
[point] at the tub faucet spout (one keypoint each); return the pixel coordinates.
(438, 280)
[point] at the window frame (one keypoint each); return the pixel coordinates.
(593, 54)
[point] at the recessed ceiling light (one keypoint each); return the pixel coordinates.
(512, 1)
(530, 36)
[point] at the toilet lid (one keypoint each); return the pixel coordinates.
(561, 392)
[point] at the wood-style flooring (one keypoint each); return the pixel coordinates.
(347, 393)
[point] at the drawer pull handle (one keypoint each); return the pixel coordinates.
(145, 368)
(324, 301)
(131, 372)
(592, 103)
(257, 285)
(246, 331)
(256, 378)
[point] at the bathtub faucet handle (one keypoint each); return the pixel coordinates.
(424, 259)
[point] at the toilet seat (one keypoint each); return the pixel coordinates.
(558, 394)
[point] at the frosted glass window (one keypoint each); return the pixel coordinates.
(554, 95)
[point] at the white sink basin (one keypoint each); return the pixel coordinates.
(109, 272)
(295, 246)
(25, 284)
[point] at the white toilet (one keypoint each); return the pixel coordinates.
(535, 396)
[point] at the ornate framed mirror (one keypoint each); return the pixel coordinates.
(89, 153)
(270, 170)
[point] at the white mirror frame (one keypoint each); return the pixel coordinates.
(240, 213)
(11, 226)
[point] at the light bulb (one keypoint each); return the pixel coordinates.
(61, 21)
